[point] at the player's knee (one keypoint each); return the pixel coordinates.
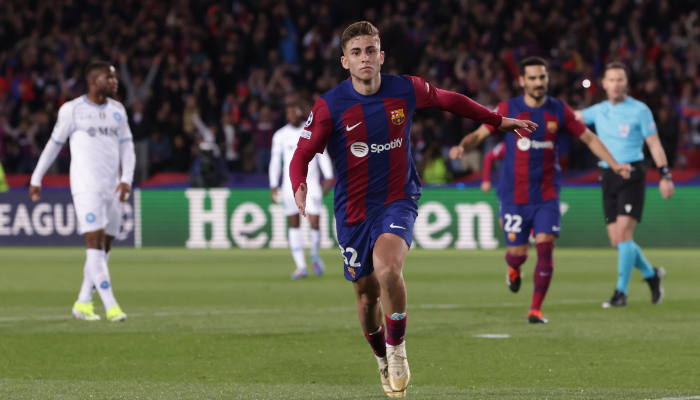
(391, 267)
(368, 300)
(95, 240)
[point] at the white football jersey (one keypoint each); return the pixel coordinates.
(95, 133)
(284, 144)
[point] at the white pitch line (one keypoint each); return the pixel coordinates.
(493, 336)
(680, 398)
(278, 311)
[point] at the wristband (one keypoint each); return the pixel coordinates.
(664, 172)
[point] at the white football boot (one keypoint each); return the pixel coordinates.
(384, 375)
(399, 374)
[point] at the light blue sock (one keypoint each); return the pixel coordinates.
(642, 264)
(626, 257)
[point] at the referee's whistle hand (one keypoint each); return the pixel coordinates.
(624, 170)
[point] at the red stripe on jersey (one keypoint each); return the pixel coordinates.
(551, 125)
(358, 163)
(396, 110)
(522, 166)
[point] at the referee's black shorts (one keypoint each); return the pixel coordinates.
(624, 196)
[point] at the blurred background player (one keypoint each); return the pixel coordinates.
(495, 154)
(100, 139)
(624, 125)
(284, 143)
(531, 177)
(365, 121)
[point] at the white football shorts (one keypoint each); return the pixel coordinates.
(95, 212)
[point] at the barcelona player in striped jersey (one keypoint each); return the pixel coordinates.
(365, 124)
(531, 177)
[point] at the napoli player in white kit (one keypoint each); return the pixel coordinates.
(100, 140)
(284, 143)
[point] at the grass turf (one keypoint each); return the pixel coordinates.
(230, 324)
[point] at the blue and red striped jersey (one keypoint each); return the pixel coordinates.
(530, 173)
(368, 138)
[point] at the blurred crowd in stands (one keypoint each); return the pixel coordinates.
(214, 76)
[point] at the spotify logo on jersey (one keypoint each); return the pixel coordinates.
(359, 149)
(524, 144)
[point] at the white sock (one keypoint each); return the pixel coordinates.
(100, 276)
(315, 241)
(85, 295)
(297, 249)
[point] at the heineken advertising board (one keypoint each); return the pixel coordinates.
(447, 218)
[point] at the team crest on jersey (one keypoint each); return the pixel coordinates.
(552, 126)
(117, 117)
(351, 270)
(398, 117)
(624, 130)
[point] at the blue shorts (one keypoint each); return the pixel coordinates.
(357, 242)
(519, 219)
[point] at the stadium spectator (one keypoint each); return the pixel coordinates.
(433, 167)
(141, 127)
(159, 151)
(241, 57)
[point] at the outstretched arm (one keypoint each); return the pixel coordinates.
(428, 96)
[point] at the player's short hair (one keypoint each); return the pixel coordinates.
(529, 61)
(616, 65)
(360, 28)
(96, 66)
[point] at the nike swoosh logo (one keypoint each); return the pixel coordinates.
(396, 226)
(353, 127)
(545, 274)
(556, 228)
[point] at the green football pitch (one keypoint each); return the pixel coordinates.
(231, 324)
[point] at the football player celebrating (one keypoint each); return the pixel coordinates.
(531, 177)
(365, 124)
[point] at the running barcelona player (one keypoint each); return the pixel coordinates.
(365, 124)
(531, 178)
